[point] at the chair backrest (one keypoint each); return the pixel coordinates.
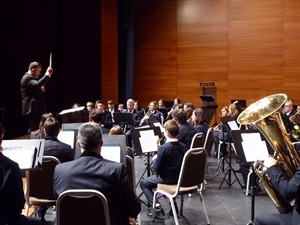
(40, 182)
(82, 206)
(208, 139)
(198, 140)
(130, 171)
(193, 168)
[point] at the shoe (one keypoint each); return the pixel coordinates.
(176, 208)
(159, 211)
(256, 189)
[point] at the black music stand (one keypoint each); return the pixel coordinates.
(228, 122)
(209, 103)
(242, 153)
(27, 153)
(123, 119)
(136, 134)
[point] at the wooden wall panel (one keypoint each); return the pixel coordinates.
(109, 48)
(250, 49)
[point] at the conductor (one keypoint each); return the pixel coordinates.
(33, 104)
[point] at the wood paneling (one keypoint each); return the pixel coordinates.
(250, 49)
(109, 50)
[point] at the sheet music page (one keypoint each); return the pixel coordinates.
(256, 150)
(67, 137)
(112, 153)
(147, 133)
(250, 137)
(233, 125)
(149, 144)
(24, 156)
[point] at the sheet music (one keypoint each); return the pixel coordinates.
(233, 125)
(255, 150)
(24, 156)
(149, 144)
(157, 124)
(251, 137)
(147, 133)
(112, 153)
(67, 137)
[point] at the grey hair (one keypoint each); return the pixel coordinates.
(89, 136)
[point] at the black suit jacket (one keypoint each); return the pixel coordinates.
(91, 171)
(11, 191)
(289, 189)
(31, 93)
(186, 134)
(58, 149)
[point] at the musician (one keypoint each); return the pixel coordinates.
(186, 130)
(167, 166)
(106, 117)
(219, 132)
(176, 102)
(11, 192)
(288, 111)
(136, 116)
(96, 115)
(152, 113)
(289, 189)
(198, 118)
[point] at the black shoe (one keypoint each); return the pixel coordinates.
(256, 189)
(159, 211)
(176, 208)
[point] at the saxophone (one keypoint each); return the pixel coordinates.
(264, 114)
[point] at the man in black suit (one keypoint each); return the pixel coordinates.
(289, 189)
(33, 104)
(11, 192)
(92, 171)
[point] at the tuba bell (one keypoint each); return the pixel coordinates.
(265, 115)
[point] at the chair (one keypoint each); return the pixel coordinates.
(198, 140)
(39, 185)
(191, 175)
(248, 181)
(207, 146)
(82, 206)
(130, 171)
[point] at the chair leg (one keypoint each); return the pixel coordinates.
(174, 211)
(204, 208)
(181, 204)
(248, 182)
(153, 206)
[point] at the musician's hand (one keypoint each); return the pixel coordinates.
(43, 88)
(270, 161)
(49, 71)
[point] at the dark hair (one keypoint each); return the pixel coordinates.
(89, 136)
(34, 65)
(172, 127)
(51, 127)
(96, 115)
(179, 115)
(200, 115)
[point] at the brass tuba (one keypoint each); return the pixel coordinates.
(265, 115)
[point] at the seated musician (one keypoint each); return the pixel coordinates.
(167, 165)
(136, 116)
(106, 116)
(96, 116)
(152, 113)
(12, 198)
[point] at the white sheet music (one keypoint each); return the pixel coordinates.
(250, 137)
(24, 156)
(67, 137)
(112, 153)
(233, 125)
(147, 133)
(149, 144)
(157, 124)
(255, 150)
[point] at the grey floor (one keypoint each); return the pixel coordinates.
(225, 206)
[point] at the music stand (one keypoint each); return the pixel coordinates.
(209, 103)
(137, 133)
(229, 124)
(123, 119)
(238, 140)
(73, 127)
(27, 153)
